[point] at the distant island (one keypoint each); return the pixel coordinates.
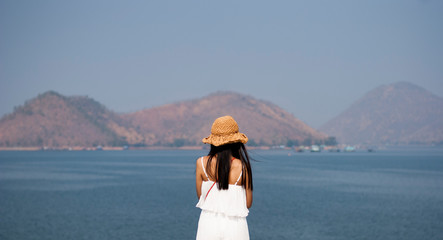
(396, 114)
(54, 121)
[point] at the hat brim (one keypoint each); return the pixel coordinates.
(218, 140)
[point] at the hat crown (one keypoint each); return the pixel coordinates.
(225, 131)
(224, 126)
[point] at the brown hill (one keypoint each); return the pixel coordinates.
(54, 120)
(189, 121)
(400, 113)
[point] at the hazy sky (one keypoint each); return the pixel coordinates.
(312, 58)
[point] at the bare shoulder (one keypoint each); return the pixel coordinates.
(198, 161)
(236, 164)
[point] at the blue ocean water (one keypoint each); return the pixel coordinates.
(391, 194)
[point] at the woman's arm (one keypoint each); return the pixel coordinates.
(198, 177)
(248, 198)
(248, 192)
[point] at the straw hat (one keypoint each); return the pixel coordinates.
(225, 130)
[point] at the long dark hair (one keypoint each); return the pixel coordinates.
(223, 164)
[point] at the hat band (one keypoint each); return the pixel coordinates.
(223, 134)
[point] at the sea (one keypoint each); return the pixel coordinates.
(388, 194)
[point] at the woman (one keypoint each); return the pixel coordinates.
(224, 183)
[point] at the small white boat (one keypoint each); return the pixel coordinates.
(315, 148)
(349, 149)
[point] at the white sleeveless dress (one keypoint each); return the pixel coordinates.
(224, 212)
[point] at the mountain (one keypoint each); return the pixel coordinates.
(189, 121)
(54, 120)
(399, 113)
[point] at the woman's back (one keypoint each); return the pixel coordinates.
(234, 172)
(230, 202)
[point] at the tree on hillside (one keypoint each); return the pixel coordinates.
(331, 141)
(307, 141)
(292, 143)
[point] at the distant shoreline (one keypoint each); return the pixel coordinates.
(358, 148)
(114, 148)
